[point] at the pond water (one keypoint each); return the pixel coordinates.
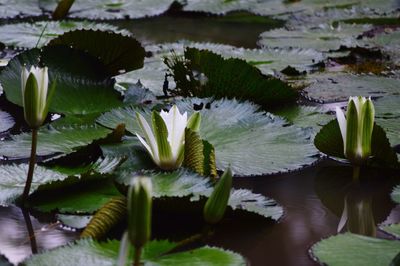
(313, 199)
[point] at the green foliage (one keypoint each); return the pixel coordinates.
(355, 250)
(329, 141)
(6, 121)
(231, 78)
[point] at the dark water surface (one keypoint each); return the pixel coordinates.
(313, 201)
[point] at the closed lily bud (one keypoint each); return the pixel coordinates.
(139, 211)
(356, 128)
(216, 204)
(165, 142)
(35, 95)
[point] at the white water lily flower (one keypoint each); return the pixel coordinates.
(166, 142)
(356, 128)
(35, 95)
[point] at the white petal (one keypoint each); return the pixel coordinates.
(43, 86)
(155, 159)
(342, 124)
(149, 136)
(176, 124)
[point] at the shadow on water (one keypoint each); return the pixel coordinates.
(239, 29)
(314, 201)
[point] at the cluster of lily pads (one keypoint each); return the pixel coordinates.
(211, 107)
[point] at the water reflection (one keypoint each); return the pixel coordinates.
(21, 234)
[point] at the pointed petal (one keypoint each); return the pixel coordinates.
(161, 135)
(155, 159)
(343, 218)
(342, 124)
(194, 121)
(368, 114)
(351, 131)
(176, 124)
(149, 136)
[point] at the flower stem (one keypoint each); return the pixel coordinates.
(31, 232)
(32, 162)
(356, 173)
(138, 254)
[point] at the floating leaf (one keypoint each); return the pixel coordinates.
(12, 180)
(80, 197)
(74, 221)
(393, 229)
(52, 141)
(28, 34)
(6, 121)
(117, 52)
(14, 8)
(388, 117)
(82, 84)
(322, 38)
(104, 9)
(350, 249)
(90, 252)
(231, 78)
(396, 194)
(329, 141)
(250, 142)
(339, 87)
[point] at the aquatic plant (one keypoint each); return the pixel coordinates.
(166, 142)
(36, 98)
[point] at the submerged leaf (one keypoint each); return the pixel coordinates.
(6, 121)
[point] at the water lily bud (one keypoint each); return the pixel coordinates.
(166, 141)
(356, 128)
(139, 211)
(35, 96)
(216, 204)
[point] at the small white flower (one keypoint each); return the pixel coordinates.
(35, 96)
(356, 128)
(166, 142)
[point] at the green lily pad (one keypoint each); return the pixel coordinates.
(333, 87)
(323, 38)
(388, 117)
(12, 180)
(14, 8)
(396, 194)
(28, 34)
(6, 121)
(117, 52)
(90, 252)
(106, 9)
(82, 197)
(74, 221)
(393, 229)
(82, 83)
(329, 141)
(350, 249)
(250, 142)
(231, 78)
(52, 141)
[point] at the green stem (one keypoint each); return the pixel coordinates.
(32, 162)
(31, 232)
(356, 173)
(138, 254)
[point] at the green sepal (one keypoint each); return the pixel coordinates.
(216, 204)
(50, 95)
(31, 98)
(139, 211)
(161, 136)
(367, 114)
(352, 131)
(62, 9)
(194, 121)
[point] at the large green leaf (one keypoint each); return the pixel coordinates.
(13, 8)
(353, 250)
(82, 83)
(12, 180)
(396, 194)
(388, 117)
(393, 229)
(105, 9)
(231, 78)
(250, 142)
(81, 197)
(29, 35)
(90, 252)
(6, 121)
(117, 52)
(333, 87)
(329, 141)
(52, 141)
